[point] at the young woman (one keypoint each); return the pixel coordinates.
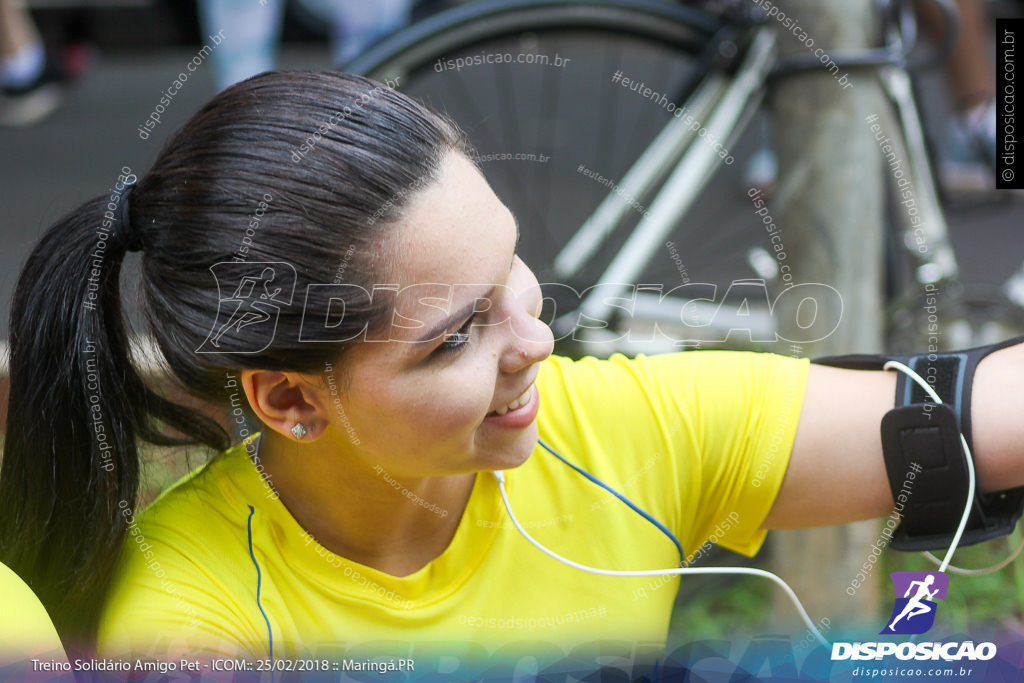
(364, 301)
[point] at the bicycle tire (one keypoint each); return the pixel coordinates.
(655, 42)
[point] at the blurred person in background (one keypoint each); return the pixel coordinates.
(29, 80)
(970, 77)
(253, 31)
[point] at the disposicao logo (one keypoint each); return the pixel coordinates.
(913, 614)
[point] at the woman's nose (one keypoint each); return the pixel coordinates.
(530, 340)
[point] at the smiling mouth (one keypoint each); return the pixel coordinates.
(517, 402)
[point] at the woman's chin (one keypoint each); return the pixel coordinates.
(512, 455)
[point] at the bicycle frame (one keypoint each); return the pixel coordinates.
(720, 103)
(726, 103)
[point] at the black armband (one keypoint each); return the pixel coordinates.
(924, 459)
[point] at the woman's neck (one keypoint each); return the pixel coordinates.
(365, 514)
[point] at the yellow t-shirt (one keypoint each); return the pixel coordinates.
(26, 631)
(700, 440)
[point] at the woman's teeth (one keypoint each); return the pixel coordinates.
(522, 400)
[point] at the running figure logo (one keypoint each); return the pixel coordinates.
(914, 613)
(251, 296)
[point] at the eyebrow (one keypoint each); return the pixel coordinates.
(464, 312)
(458, 316)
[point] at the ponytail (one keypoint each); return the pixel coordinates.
(76, 408)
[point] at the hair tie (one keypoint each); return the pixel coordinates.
(131, 239)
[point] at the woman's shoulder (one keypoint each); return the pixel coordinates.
(635, 406)
(181, 564)
(649, 372)
(195, 523)
(216, 493)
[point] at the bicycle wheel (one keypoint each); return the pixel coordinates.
(538, 86)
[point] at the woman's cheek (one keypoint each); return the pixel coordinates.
(463, 402)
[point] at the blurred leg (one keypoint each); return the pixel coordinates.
(972, 76)
(252, 31)
(358, 24)
(21, 51)
(970, 68)
(971, 73)
(30, 84)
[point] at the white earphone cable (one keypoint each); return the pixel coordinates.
(500, 476)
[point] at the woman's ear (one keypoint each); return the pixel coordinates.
(282, 400)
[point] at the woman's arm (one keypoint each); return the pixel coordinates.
(836, 473)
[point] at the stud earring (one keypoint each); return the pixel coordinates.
(298, 431)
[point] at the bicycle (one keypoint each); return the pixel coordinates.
(636, 193)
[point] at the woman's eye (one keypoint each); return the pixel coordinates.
(456, 340)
